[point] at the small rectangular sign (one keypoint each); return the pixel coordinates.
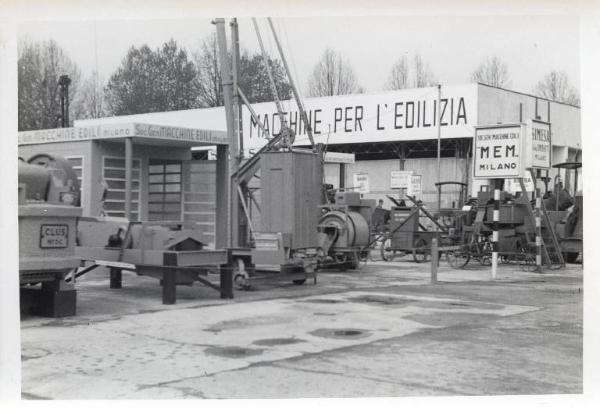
(400, 179)
(514, 186)
(415, 186)
(361, 183)
(539, 143)
(54, 236)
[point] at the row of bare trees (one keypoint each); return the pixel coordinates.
(167, 78)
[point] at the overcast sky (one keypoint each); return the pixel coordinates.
(531, 46)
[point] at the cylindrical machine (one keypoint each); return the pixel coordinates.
(352, 228)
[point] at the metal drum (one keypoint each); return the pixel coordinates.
(353, 229)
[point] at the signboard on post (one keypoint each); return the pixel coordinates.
(400, 179)
(513, 186)
(361, 183)
(414, 188)
(498, 151)
(539, 145)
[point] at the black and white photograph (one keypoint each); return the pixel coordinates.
(225, 202)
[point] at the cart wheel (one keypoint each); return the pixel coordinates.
(241, 279)
(485, 260)
(387, 254)
(457, 258)
(420, 251)
(528, 263)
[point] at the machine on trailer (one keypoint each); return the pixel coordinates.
(285, 241)
(345, 231)
(48, 211)
(173, 252)
(407, 234)
(565, 211)
(516, 232)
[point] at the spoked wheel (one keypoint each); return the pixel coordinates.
(527, 262)
(486, 256)
(419, 252)
(387, 254)
(457, 258)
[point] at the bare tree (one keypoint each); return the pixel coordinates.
(209, 73)
(398, 78)
(423, 76)
(90, 101)
(332, 76)
(555, 86)
(492, 72)
(40, 65)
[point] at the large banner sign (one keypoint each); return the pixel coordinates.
(393, 116)
(497, 152)
(115, 131)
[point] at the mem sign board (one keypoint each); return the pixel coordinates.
(498, 151)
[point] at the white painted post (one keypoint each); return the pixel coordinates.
(538, 232)
(495, 219)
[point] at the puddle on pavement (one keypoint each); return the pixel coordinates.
(341, 333)
(246, 323)
(278, 341)
(380, 299)
(323, 301)
(233, 352)
(448, 305)
(446, 319)
(33, 353)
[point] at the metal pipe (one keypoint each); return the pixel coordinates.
(227, 83)
(439, 141)
(128, 176)
(270, 75)
(294, 90)
(235, 53)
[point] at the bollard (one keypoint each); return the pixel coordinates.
(495, 219)
(435, 255)
(538, 231)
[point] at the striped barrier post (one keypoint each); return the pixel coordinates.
(538, 232)
(495, 219)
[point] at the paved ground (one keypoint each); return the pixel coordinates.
(384, 331)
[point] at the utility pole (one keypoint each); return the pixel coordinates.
(238, 229)
(232, 222)
(64, 81)
(439, 143)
